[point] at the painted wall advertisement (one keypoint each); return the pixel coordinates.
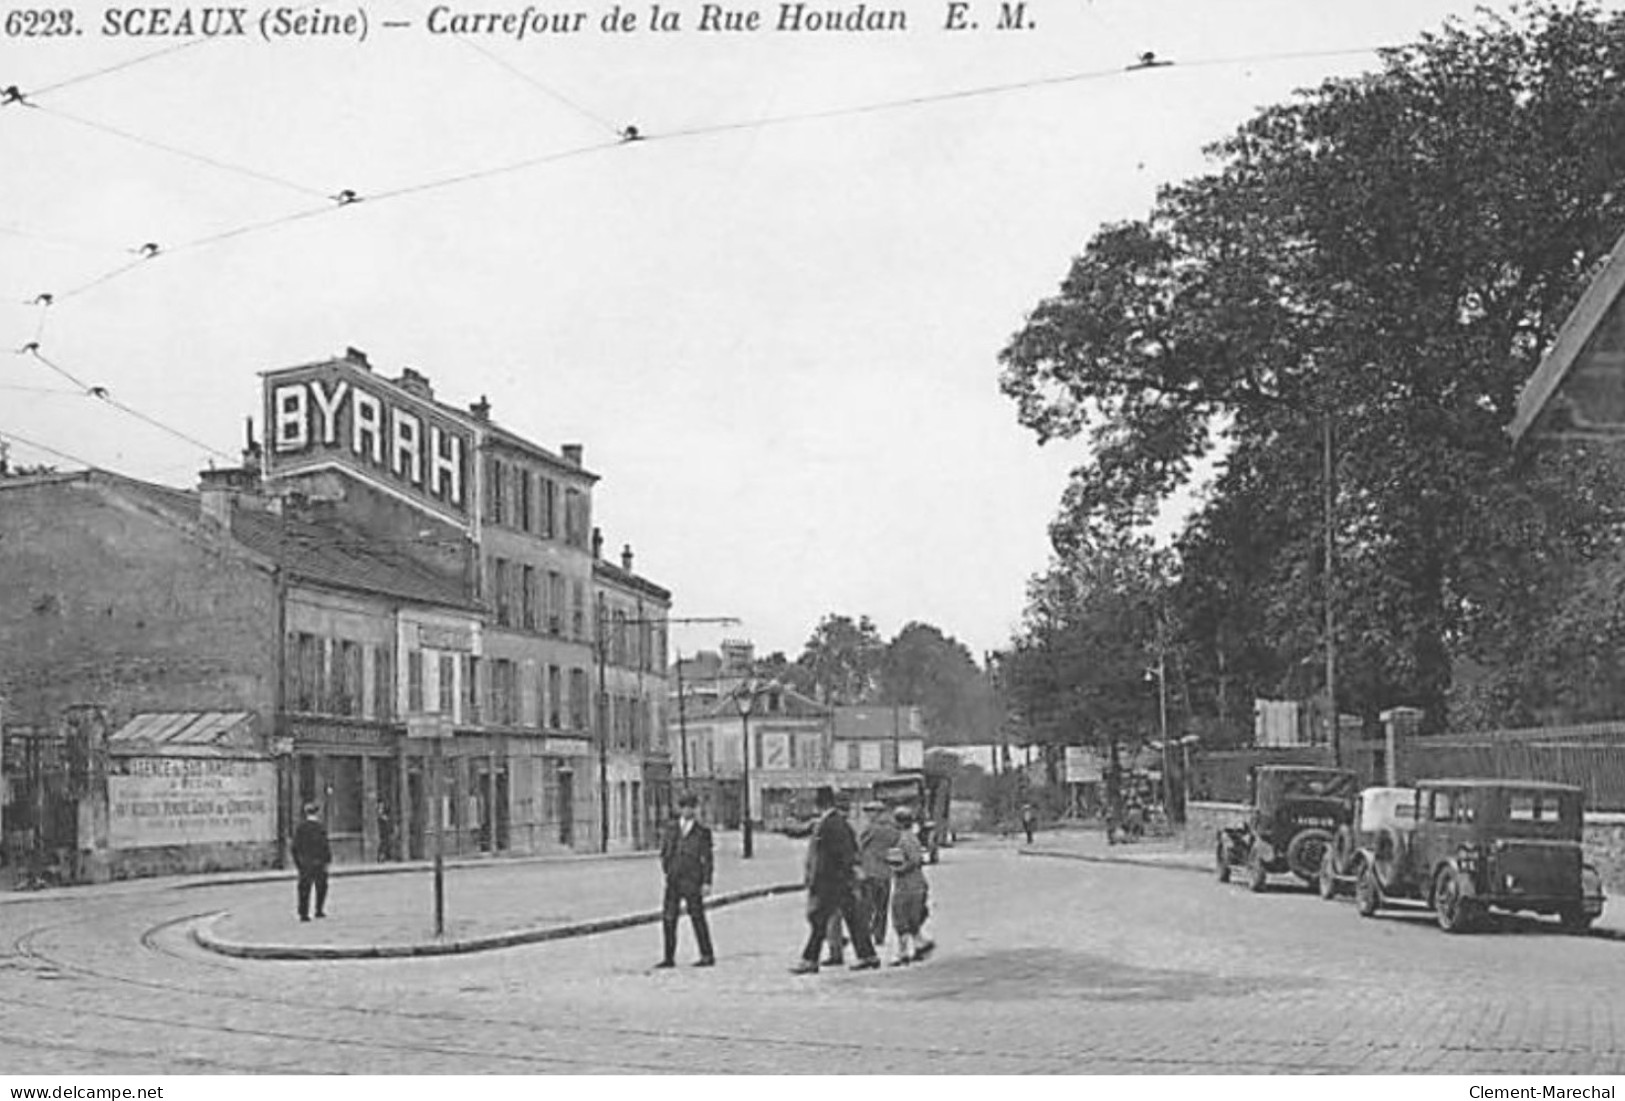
(190, 801)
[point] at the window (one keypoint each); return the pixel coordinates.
(499, 592)
(446, 704)
(528, 617)
(527, 499)
(573, 533)
(548, 526)
(383, 684)
(471, 690)
(499, 493)
(1531, 806)
(493, 470)
(555, 603)
(578, 611)
(1451, 806)
(414, 681)
(555, 690)
(853, 759)
(346, 678)
(538, 688)
(504, 695)
(578, 699)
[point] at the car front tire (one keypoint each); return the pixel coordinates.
(1455, 912)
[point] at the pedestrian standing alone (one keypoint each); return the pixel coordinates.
(832, 859)
(311, 855)
(686, 858)
(1029, 821)
(878, 838)
(909, 892)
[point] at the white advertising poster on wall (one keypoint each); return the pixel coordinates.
(156, 801)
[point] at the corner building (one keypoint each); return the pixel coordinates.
(512, 520)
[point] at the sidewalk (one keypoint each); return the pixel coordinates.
(1168, 853)
(488, 904)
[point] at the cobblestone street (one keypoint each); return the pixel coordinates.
(1046, 965)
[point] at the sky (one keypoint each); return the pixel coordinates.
(776, 335)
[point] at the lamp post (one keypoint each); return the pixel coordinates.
(744, 698)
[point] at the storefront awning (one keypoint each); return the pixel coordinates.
(186, 733)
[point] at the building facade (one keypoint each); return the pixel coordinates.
(400, 595)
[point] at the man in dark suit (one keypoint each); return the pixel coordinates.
(685, 857)
(311, 855)
(832, 859)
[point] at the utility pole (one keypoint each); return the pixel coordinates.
(1335, 732)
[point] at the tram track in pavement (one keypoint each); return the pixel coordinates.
(25, 946)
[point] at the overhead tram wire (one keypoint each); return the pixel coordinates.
(551, 93)
(177, 151)
(101, 393)
(632, 134)
(7, 434)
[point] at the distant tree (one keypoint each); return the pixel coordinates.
(922, 667)
(842, 660)
(776, 666)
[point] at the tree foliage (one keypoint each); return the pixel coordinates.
(1391, 253)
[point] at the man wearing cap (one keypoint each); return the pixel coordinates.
(685, 857)
(311, 855)
(831, 865)
(878, 838)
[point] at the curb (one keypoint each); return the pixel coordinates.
(348, 871)
(203, 935)
(1139, 862)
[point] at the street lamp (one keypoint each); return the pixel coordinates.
(744, 698)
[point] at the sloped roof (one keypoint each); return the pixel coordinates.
(792, 705)
(1579, 387)
(877, 722)
(337, 555)
(188, 728)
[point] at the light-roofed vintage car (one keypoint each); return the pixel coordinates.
(1378, 809)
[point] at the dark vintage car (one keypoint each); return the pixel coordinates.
(1294, 812)
(1474, 845)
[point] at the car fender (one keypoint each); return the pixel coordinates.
(1469, 889)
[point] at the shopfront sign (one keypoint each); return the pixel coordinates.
(340, 414)
(163, 801)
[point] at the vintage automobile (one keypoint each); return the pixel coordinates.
(1294, 813)
(930, 795)
(1377, 809)
(1481, 844)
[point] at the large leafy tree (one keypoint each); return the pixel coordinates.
(1389, 254)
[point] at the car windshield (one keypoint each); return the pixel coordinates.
(1326, 785)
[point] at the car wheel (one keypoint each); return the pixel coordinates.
(1575, 919)
(1304, 854)
(1327, 882)
(1256, 876)
(1367, 892)
(1221, 863)
(1455, 913)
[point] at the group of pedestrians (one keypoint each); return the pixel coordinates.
(854, 881)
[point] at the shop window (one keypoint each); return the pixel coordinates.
(344, 810)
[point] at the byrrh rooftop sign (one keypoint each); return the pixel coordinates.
(339, 414)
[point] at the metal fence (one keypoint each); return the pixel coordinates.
(1592, 757)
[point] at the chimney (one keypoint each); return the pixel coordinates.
(597, 543)
(357, 357)
(481, 409)
(572, 453)
(415, 384)
(626, 557)
(219, 490)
